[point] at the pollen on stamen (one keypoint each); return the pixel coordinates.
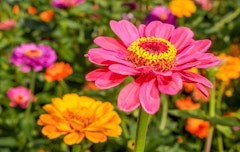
(151, 51)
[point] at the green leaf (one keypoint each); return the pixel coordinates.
(227, 131)
(226, 121)
(8, 142)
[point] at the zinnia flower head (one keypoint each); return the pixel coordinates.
(229, 68)
(58, 71)
(198, 127)
(77, 117)
(46, 16)
(63, 4)
(181, 8)
(157, 55)
(205, 4)
(7, 24)
(20, 96)
(32, 10)
(30, 55)
(161, 13)
(186, 104)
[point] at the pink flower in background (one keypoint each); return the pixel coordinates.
(163, 14)
(158, 56)
(7, 24)
(63, 4)
(20, 96)
(34, 56)
(205, 4)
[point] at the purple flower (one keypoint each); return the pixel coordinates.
(131, 5)
(20, 96)
(63, 4)
(30, 55)
(161, 13)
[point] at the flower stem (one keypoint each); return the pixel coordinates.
(32, 88)
(142, 126)
(211, 113)
(220, 142)
(164, 104)
(76, 148)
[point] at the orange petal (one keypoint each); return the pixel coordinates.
(73, 138)
(51, 132)
(47, 119)
(96, 137)
(59, 104)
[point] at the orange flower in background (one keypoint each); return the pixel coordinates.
(181, 8)
(229, 68)
(186, 104)
(15, 9)
(90, 86)
(198, 127)
(199, 96)
(58, 72)
(79, 117)
(46, 16)
(32, 10)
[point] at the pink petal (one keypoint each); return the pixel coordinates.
(181, 37)
(202, 89)
(111, 44)
(207, 60)
(164, 31)
(199, 46)
(186, 66)
(195, 78)
(149, 96)
(170, 85)
(151, 28)
(128, 98)
(125, 30)
(141, 30)
(109, 80)
(95, 74)
(103, 57)
(123, 70)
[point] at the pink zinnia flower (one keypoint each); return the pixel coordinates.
(34, 56)
(157, 55)
(66, 3)
(7, 24)
(20, 96)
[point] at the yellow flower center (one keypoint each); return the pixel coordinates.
(80, 117)
(33, 53)
(155, 52)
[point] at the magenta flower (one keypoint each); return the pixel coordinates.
(156, 55)
(161, 13)
(34, 56)
(63, 4)
(7, 24)
(20, 96)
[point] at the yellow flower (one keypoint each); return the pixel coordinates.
(230, 68)
(78, 117)
(181, 8)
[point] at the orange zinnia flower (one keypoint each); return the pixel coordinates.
(229, 68)
(78, 117)
(197, 127)
(182, 8)
(58, 71)
(46, 16)
(186, 104)
(32, 10)
(15, 9)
